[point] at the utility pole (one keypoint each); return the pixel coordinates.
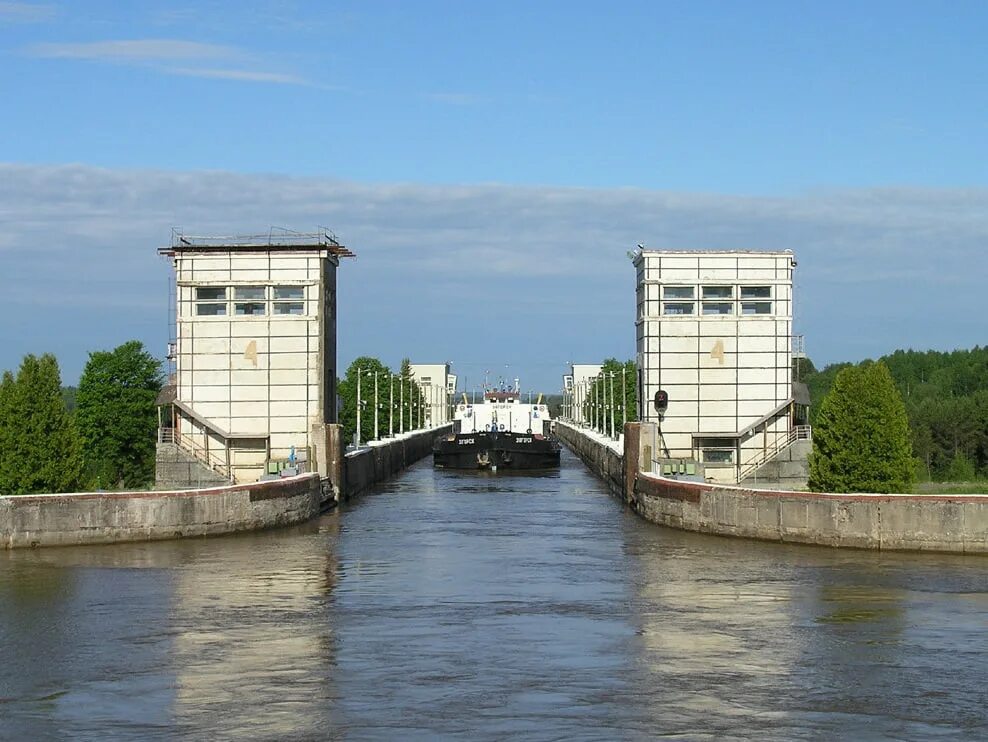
(377, 436)
(359, 374)
(391, 405)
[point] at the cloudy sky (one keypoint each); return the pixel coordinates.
(491, 166)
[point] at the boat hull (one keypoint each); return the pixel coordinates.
(495, 451)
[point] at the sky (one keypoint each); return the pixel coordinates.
(492, 165)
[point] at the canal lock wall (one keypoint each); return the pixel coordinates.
(113, 517)
(935, 523)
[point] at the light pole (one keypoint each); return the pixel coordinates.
(624, 398)
(391, 405)
(612, 403)
(377, 406)
(401, 403)
(359, 374)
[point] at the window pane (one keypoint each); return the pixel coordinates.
(677, 292)
(678, 308)
(210, 310)
(756, 292)
(719, 308)
(245, 293)
(718, 292)
(211, 293)
(253, 307)
(717, 456)
(289, 307)
(289, 292)
(756, 307)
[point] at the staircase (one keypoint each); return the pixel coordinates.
(785, 466)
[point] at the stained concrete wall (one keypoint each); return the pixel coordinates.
(381, 461)
(942, 523)
(109, 517)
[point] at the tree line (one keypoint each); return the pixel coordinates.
(100, 435)
(615, 387)
(945, 398)
(399, 401)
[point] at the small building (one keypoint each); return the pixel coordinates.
(714, 343)
(576, 385)
(254, 351)
(437, 386)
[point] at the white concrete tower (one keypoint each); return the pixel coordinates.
(714, 332)
(255, 348)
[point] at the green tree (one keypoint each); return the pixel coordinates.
(40, 447)
(598, 402)
(389, 399)
(861, 440)
(8, 431)
(116, 416)
(961, 469)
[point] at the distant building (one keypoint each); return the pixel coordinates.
(255, 350)
(575, 387)
(437, 386)
(714, 341)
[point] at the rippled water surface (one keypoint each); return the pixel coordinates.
(454, 605)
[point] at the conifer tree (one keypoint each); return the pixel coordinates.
(42, 447)
(7, 429)
(861, 439)
(117, 417)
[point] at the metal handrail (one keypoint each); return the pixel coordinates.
(798, 433)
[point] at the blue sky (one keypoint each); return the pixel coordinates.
(511, 150)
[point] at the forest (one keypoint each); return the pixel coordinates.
(946, 399)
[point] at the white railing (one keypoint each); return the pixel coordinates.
(798, 433)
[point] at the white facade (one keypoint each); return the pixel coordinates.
(576, 385)
(255, 349)
(714, 331)
(434, 382)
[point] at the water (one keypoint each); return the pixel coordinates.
(454, 605)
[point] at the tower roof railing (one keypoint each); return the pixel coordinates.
(277, 238)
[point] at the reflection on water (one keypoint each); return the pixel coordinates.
(451, 604)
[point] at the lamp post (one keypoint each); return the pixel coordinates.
(377, 407)
(401, 403)
(612, 402)
(359, 374)
(391, 405)
(624, 398)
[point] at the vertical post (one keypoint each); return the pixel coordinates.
(391, 405)
(401, 403)
(359, 374)
(377, 436)
(612, 403)
(624, 397)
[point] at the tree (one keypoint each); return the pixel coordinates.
(8, 428)
(861, 440)
(347, 391)
(116, 416)
(40, 447)
(598, 402)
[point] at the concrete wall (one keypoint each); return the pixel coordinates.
(175, 468)
(109, 517)
(941, 523)
(603, 460)
(379, 462)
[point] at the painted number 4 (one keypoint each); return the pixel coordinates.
(718, 352)
(251, 352)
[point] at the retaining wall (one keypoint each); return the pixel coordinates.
(941, 523)
(378, 462)
(110, 517)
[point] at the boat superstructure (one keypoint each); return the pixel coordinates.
(502, 432)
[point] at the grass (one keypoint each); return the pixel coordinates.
(952, 488)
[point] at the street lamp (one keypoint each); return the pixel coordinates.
(359, 374)
(612, 402)
(377, 407)
(391, 405)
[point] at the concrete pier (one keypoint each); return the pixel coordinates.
(937, 523)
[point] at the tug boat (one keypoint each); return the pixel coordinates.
(501, 433)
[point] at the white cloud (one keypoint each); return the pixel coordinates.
(171, 56)
(493, 273)
(25, 12)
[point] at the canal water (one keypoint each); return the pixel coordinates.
(455, 605)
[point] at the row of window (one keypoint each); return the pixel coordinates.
(214, 301)
(717, 292)
(679, 308)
